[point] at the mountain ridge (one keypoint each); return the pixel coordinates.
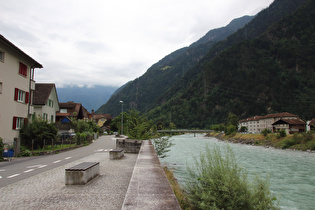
(142, 92)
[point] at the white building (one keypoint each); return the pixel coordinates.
(259, 123)
(45, 102)
(16, 89)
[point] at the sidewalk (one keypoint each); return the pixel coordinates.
(48, 190)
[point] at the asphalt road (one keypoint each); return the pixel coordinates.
(25, 167)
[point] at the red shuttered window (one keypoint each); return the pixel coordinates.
(23, 69)
(21, 96)
(18, 122)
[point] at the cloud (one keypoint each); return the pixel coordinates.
(110, 42)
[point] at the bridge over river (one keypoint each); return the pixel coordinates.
(185, 131)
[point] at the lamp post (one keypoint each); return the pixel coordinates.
(122, 117)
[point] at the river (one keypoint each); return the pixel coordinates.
(291, 173)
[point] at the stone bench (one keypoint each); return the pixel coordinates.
(116, 154)
(82, 173)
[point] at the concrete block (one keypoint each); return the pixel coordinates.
(82, 173)
(116, 154)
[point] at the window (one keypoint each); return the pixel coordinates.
(18, 122)
(23, 69)
(50, 103)
(21, 96)
(52, 118)
(45, 116)
(0, 87)
(63, 111)
(1, 56)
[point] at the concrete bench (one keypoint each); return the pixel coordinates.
(82, 173)
(116, 154)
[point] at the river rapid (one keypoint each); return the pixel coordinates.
(291, 173)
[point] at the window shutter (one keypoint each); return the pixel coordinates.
(25, 121)
(14, 123)
(27, 97)
(23, 69)
(16, 94)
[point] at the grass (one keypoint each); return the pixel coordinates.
(302, 141)
(178, 191)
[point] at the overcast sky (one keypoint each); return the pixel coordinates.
(102, 42)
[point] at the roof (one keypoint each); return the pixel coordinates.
(312, 122)
(73, 109)
(41, 93)
(5, 42)
(283, 114)
(100, 116)
(250, 119)
(290, 121)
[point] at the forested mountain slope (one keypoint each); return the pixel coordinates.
(260, 69)
(142, 93)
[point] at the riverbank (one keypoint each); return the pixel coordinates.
(301, 141)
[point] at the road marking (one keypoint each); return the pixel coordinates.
(67, 158)
(99, 150)
(42, 166)
(0, 177)
(14, 175)
(29, 170)
(57, 161)
(2, 170)
(35, 166)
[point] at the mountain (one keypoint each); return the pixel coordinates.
(261, 69)
(90, 97)
(142, 93)
(265, 67)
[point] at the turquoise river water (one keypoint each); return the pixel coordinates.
(292, 173)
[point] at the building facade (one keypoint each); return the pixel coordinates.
(258, 123)
(45, 102)
(16, 89)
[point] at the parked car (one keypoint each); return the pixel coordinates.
(67, 135)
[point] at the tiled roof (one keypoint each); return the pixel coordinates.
(283, 114)
(312, 122)
(291, 121)
(100, 116)
(276, 115)
(41, 93)
(250, 119)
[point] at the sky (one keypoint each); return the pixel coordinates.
(102, 42)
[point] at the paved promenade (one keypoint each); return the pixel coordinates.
(133, 182)
(48, 190)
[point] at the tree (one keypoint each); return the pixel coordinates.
(232, 120)
(217, 182)
(38, 130)
(162, 145)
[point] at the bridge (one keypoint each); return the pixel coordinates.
(185, 131)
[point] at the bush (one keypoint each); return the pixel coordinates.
(282, 133)
(265, 132)
(162, 145)
(38, 130)
(217, 182)
(230, 130)
(287, 143)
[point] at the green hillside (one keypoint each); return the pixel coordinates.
(142, 93)
(250, 74)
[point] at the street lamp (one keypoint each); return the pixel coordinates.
(122, 117)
